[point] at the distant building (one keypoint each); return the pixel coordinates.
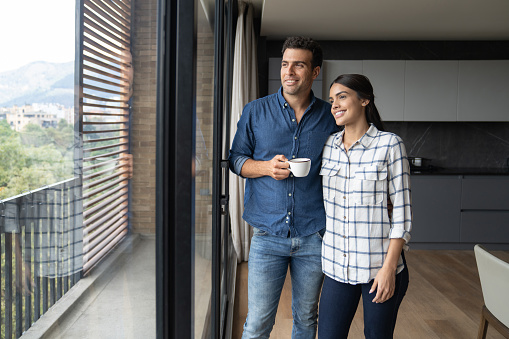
(20, 116)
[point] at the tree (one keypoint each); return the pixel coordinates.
(34, 157)
(12, 158)
(34, 135)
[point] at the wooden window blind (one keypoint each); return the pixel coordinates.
(104, 109)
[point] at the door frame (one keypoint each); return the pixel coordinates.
(174, 178)
(176, 133)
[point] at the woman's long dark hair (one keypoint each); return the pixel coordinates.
(362, 86)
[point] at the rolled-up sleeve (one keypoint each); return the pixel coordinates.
(243, 143)
(399, 191)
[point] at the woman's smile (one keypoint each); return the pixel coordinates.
(339, 114)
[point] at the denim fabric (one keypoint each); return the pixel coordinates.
(268, 127)
(269, 258)
(339, 302)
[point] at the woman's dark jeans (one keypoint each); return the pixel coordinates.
(339, 301)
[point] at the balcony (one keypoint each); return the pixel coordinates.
(114, 153)
(117, 300)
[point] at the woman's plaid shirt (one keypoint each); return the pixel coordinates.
(356, 189)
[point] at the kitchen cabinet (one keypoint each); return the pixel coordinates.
(431, 90)
(333, 68)
(460, 210)
(436, 209)
(485, 210)
(423, 90)
(485, 193)
(482, 90)
(484, 227)
(388, 80)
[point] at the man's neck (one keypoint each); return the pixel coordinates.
(298, 102)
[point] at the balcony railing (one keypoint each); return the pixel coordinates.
(41, 247)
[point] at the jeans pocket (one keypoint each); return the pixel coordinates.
(320, 234)
(258, 232)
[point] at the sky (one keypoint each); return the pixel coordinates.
(36, 30)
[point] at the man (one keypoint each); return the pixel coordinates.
(287, 212)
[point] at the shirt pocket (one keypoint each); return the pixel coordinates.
(369, 185)
(329, 172)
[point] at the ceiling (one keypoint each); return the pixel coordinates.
(384, 19)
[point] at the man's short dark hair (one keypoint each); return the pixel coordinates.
(300, 42)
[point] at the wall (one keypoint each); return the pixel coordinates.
(204, 129)
(143, 122)
(456, 144)
(143, 119)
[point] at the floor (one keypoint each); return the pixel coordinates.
(123, 307)
(444, 299)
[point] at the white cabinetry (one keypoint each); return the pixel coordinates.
(431, 90)
(426, 90)
(333, 68)
(483, 88)
(388, 80)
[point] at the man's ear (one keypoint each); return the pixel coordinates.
(316, 72)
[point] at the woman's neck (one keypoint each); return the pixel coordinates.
(352, 133)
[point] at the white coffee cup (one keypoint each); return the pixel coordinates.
(300, 166)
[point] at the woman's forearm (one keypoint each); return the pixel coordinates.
(393, 253)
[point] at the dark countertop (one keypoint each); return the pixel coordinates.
(459, 171)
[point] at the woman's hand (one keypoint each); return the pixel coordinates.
(384, 284)
(385, 280)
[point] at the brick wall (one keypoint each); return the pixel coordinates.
(204, 129)
(143, 126)
(143, 123)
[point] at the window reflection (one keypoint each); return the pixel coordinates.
(203, 166)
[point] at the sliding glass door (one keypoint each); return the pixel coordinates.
(193, 243)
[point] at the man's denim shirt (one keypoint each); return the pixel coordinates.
(266, 128)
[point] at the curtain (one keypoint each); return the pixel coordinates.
(245, 89)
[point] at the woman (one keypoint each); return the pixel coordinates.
(365, 170)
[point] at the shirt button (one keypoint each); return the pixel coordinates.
(293, 120)
(344, 255)
(344, 197)
(286, 104)
(290, 194)
(287, 221)
(293, 156)
(295, 138)
(344, 236)
(291, 175)
(344, 217)
(289, 213)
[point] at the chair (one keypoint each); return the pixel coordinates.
(494, 275)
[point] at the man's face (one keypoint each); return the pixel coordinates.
(297, 73)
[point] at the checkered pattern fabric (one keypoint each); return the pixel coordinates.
(357, 186)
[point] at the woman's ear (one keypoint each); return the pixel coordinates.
(365, 102)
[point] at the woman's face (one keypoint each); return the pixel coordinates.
(347, 108)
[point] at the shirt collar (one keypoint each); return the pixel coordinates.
(284, 103)
(369, 136)
(365, 140)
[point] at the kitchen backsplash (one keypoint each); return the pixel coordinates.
(456, 144)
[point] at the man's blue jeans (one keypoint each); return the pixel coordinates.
(269, 258)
